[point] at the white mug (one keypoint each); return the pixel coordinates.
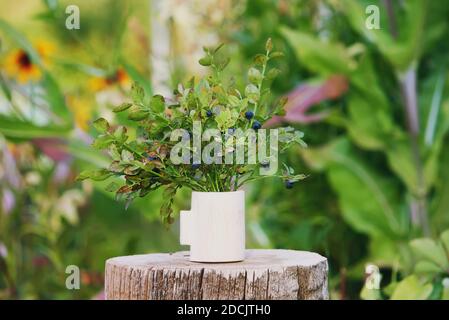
(215, 226)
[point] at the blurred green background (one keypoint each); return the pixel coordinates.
(373, 103)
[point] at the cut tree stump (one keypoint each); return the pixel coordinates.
(264, 274)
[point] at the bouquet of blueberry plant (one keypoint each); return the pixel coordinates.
(152, 159)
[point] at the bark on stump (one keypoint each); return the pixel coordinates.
(264, 274)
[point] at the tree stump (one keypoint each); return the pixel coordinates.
(264, 274)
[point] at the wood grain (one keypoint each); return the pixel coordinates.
(264, 274)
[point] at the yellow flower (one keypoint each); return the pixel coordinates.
(82, 112)
(119, 77)
(18, 63)
(45, 49)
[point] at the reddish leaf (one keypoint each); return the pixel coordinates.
(54, 148)
(305, 96)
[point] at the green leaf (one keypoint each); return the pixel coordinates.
(370, 125)
(269, 45)
(137, 93)
(96, 175)
(440, 216)
(87, 154)
(56, 98)
(205, 61)
(157, 104)
(101, 124)
(254, 76)
(138, 77)
(260, 59)
(444, 237)
(280, 110)
(114, 153)
(400, 159)
(233, 101)
(103, 141)
(367, 199)
(138, 115)
(15, 128)
(5, 88)
(218, 48)
(120, 134)
(273, 73)
(402, 50)
(426, 267)
(221, 62)
(411, 289)
(166, 210)
(226, 119)
(370, 294)
(124, 106)
(276, 54)
(112, 187)
(127, 156)
(252, 93)
(429, 250)
(325, 58)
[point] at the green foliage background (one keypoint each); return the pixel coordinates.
(378, 190)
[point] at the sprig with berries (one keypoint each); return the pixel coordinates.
(141, 162)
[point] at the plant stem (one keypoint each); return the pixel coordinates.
(259, 86)
(434, 109)
(391, 18)
(418, 207)
(419, 201)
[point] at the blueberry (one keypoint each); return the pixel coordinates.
(257, 125)
(289, 184)
(195, 166)
(265, 164)
(249, 115)
(209, 113)
(150, 158)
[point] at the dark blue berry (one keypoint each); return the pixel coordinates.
(264, 164)
(150, 158)
(195, 166)
(289, 184)
(257, 125)
(249, 115)
(209, 113)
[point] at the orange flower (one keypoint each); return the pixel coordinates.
(119, 77)
(20, 66)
